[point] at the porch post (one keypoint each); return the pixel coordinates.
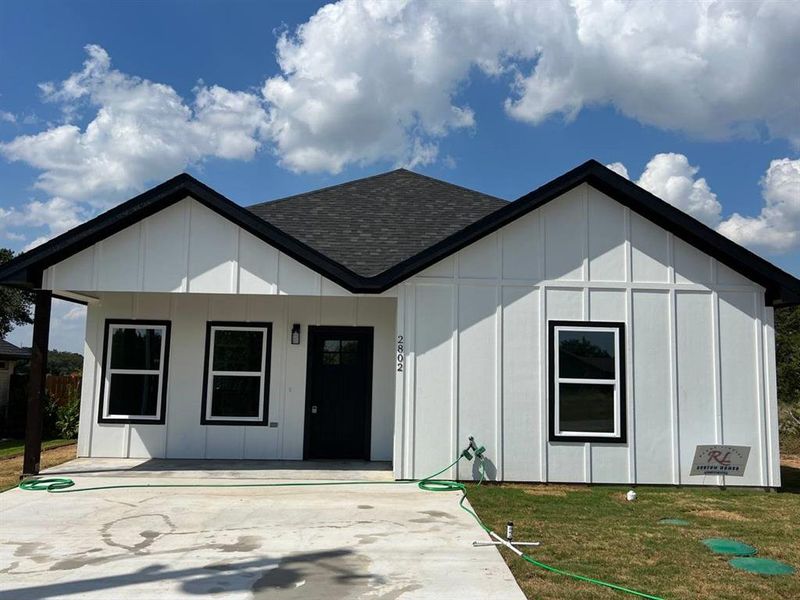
(36, 383)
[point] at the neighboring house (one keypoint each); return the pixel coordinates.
(9, 355)
(587, 332)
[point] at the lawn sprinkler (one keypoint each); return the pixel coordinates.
(479, 452)
(508, 542)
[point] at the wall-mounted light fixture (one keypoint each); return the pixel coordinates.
(296, 333)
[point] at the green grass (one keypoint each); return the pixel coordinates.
(11, 448)
(594, 531)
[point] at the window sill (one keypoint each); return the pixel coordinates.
(234, 421)
(595, 439)
(130, 421)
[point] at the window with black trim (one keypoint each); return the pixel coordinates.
(134, 382)
(587, 381)
(236, 382)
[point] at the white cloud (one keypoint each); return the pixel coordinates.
(619, 169)
(777, 227)
(142, 131)
(56, 214)
(7, 117)
(366, 81)
(67, 326)
(671, 178)
(362, 81)
(775, 230)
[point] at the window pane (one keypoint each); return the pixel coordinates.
(350, 358)
(332, 345)
(586, 354)
(330, 358)
(237, 350)
(135, 395)
(586, 407)
(235, 396)
(136, 348)
(349, 345)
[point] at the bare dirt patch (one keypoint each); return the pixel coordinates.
(549, 489)
(724, 515)
(11, 468)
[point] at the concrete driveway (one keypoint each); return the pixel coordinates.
(343, 542)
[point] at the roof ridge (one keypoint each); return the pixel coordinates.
(455, 185)
(324, 189)
(370, 177)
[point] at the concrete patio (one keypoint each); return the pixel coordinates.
(361, 541)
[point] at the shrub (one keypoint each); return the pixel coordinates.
(68, 416)
(49, 417)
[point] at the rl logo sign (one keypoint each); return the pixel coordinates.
(720, 460)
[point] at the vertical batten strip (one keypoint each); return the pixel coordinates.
(587, 447)
(542, 362)
(587, 275)
(283, 332)
(142, 247)
(498, 366)
(209, 317)
(585, 268)
(173, 301)
(673, 372)
(455, 357)
(543, 400)
(96, 256)
(758, 309)
(630, 400)
(398, 462)
(771, 396)
(186, 282)
(715, 337)
(411, 366)
(235, 284)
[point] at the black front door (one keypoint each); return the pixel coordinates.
(338, 393)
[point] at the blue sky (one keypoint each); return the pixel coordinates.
(496, 111)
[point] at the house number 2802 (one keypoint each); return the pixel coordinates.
(400, 353)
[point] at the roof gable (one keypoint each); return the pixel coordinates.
(370, 225)
(781, 287)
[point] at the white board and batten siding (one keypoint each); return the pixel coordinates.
(700, 359)
(187, 248)
(189, 265)
(182, 435)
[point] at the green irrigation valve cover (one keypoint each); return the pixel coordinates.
(723, 546)
(680, 522)
(762, 566)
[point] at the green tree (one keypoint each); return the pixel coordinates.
(63, 363)
(787, 350)
(15, 305)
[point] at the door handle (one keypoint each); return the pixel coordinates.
(313, 410)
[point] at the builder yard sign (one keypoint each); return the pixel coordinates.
(720, 460)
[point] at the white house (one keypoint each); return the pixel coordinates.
(586, 332)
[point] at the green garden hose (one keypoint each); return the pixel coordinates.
(64, 485)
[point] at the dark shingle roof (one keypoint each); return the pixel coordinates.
(369, 225)
(10, 351)
(411, 231)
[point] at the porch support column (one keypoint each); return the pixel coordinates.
(36, 383)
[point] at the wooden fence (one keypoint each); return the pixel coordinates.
(61, 387)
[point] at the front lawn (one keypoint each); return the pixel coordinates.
(596, 532)
(9, 448)
(54, 453)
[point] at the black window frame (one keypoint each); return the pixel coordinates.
(622, 402)
(162, 400)
(204, 404)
